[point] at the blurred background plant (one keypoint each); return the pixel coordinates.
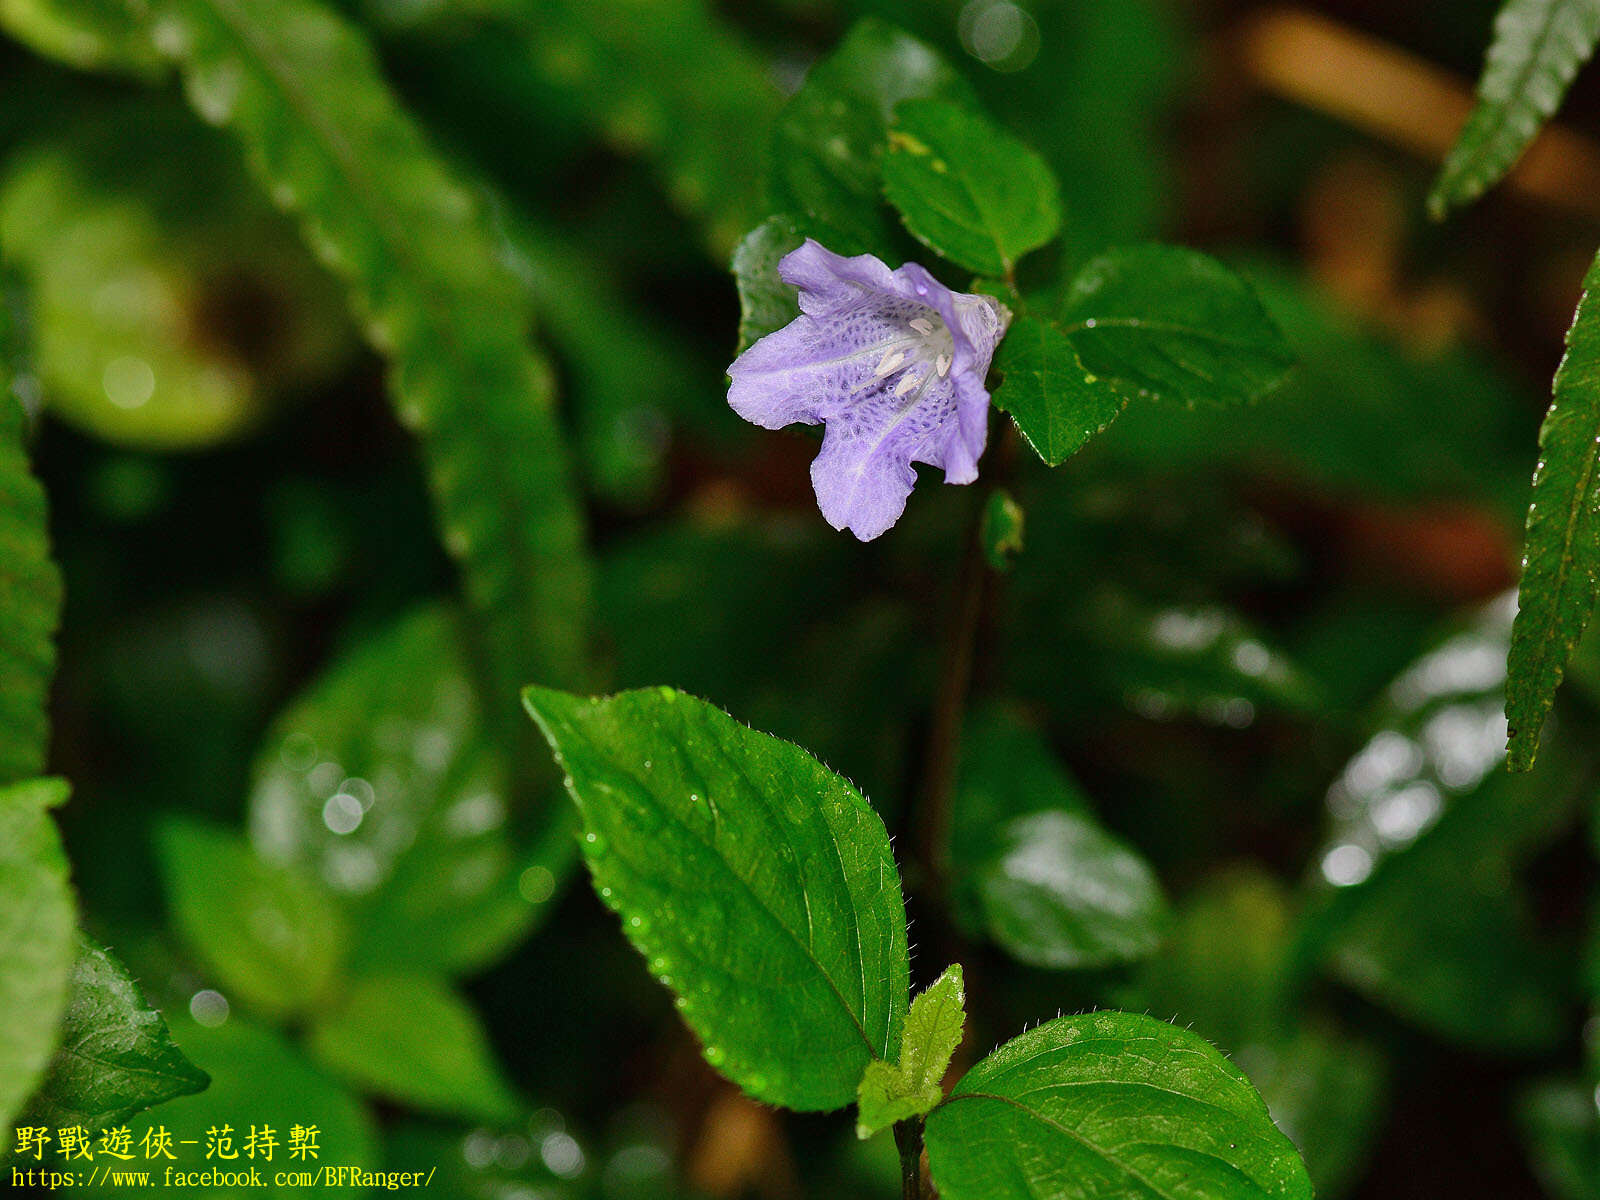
(1256, 657)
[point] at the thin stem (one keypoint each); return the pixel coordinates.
(944, 735)
(973, 602)
(908, 1140)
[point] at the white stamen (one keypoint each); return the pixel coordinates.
(942, 365)
(907, 382)
(890, 361)
(922, 325)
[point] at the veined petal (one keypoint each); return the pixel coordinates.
(864, 473)
(811, 369)
(892, 362)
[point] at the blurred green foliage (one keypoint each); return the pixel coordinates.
(1250, 660)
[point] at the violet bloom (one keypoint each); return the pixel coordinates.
(892, 363)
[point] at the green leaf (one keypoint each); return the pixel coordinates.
(271, 933)
(602, 334)
(1035, 869)
(914, 1085)
(257, 1080)
(759, 885)
(1365, 414)
(1222, 973)
(1174, 324)
(1326, 1090)
(381, 781)
(1002, 529)
(1538, 47)
(1424, 909)
(1109, 1104)
(89, 34)
(967, 189)
(107, 209)
(1561, 551)
(30, 596)
(412, 1040)
(671, 83)
(1223, 970)
(1561, 1125)
(766, 302)
(828, 141)
(36, 937)
(1057, 402)
(301, 89)
(116, 1057)
(1063, 893)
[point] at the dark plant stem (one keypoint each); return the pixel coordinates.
(908, 1140)
(949, 710)
(973, 602)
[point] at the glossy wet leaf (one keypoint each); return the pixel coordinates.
(301, 89)
(828, 142)
(966, 188)
(381, 781)
(766, 302)
(116, 1057)
(37, 943)
(1425, 911)
(1538, 47)
(1174, 324)
(1109, 1104)
(914, 1083)
(258, 1078)
(1062, 892)
(1057, 402)
(273, 937)
(412, 1040)
(30, 596)
(1561, 553)
(1036, 871)
(758, 885)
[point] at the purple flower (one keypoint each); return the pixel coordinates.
(891, 363)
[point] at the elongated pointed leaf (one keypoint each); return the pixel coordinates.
(967, 189)
(913, 1085)
(1561, 553)
(36, 937)
(1174, 324)
(116, 1057)
(1109, 1104)
(759, 885)
(1538, 47)
(301, 89)
(1057, 402)
(30, 597)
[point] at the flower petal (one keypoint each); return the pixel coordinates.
(813, 367)
(864, 474)
(892, 362)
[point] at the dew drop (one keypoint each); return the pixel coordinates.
(715, 1056)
